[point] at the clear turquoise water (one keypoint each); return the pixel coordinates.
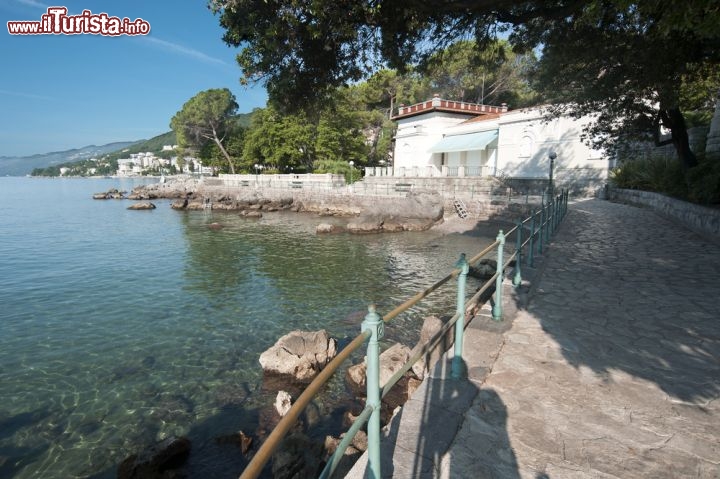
(119, 328)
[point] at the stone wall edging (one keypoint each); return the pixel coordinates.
(698, 218)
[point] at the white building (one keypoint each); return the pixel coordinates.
(139, 163)
(441, 138)
(125, 167)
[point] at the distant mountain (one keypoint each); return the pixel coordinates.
(153, 145)
(23, 165)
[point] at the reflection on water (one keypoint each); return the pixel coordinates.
(120, 328)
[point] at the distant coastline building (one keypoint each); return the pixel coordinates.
(139, 163)
(442, 138)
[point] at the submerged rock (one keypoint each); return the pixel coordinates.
(156, 461)
(252, 213)
(326, 228)
(240, 439)
(297, 457)
(143, 205)
(112, 193)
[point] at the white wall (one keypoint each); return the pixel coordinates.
(417, 134)
(524, 143)
(526, 140)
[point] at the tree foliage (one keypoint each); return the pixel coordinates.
(301, 49)
(492, 75)
(628, 61)
(300, 141)
(625, 64)
(206, 118)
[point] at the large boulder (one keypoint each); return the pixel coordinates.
(300, 355)
(419, 211)
(391, 360)
(432, 325)
(483, 269)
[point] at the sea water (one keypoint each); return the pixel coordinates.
(120, 328)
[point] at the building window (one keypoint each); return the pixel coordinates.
(526, 146)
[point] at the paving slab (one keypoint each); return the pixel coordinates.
(608, 367)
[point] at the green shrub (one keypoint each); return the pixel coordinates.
(704, 182)
(661, 175)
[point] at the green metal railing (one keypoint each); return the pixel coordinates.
(540, 225)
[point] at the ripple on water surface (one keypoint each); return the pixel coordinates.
(119, 328)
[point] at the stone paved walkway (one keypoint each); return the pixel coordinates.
(608, 368)
(612, 370)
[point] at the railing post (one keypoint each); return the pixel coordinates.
(373, 323)
(497, 307)
(540, 229)
(517, 279)
(457, 362)
(547, 220)
(531, 246)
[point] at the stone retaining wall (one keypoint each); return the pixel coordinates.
(701, 219)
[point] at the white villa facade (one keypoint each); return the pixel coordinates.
(441, 138)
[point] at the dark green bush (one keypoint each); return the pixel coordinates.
(704, 182)
(661, 175)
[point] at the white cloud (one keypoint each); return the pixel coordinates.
(183, 50)
(25, 95)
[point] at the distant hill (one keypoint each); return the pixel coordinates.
(23, 165)
(153, 145)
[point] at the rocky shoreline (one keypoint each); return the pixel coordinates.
(299, 356)
(420, 210)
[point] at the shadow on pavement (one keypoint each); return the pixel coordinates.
(417, 440)
(624, 289)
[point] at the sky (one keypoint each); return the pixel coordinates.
(59, 92)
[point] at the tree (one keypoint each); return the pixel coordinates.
(213, 157)
(493, 75)
(301, 49)
(625, 65)
(385, 89)
(279, 141)
(304, 141)
(205, 118)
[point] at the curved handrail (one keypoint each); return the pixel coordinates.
(548, 221)
(258, 461)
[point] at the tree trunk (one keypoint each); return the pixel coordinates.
(712, 146)
(224, 151)
(674, 119)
